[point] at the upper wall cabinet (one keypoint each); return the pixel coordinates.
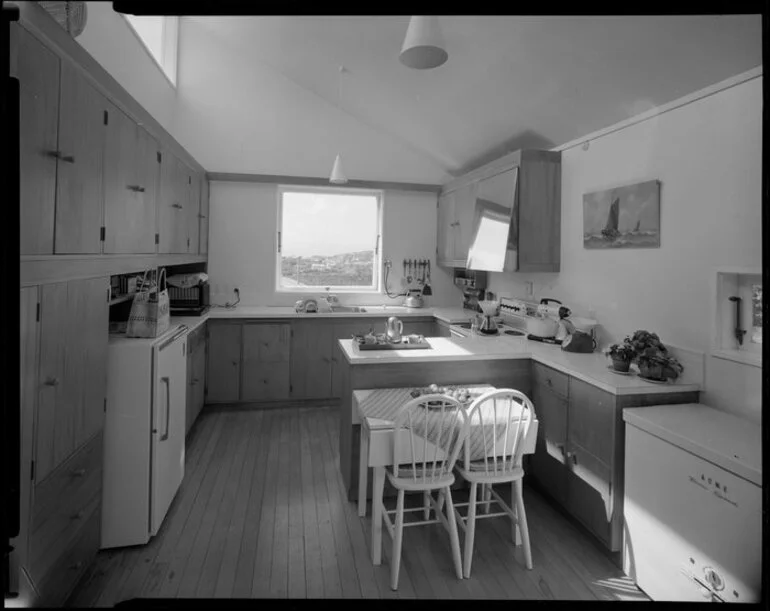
(178, 206)
(37, 69)
(131, 180)
(536, 198)
(203, 242)
(79, 165)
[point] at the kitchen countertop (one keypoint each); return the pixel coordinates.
(591, 368)
(288, 312)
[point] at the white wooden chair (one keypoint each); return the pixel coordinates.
(437, 435)
(503, 418)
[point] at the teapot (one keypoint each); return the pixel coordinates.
(393, 329)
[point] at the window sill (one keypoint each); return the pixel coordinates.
(739, 356)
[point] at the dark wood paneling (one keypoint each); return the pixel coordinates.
(224, 362)
(592, 417)
(553, 380)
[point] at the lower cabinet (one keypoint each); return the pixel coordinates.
(63, 390)
(223, 373)
(578, 459)
(311, 359)
(266, 362)
(196, 375)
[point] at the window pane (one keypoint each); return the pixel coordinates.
(756, 313)
(328, 239)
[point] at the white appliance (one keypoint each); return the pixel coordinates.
(693, 504)
(144, 435)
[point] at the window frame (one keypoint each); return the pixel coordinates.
(376, 287)
(169, 57)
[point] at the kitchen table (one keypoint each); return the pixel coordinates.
(376, 410)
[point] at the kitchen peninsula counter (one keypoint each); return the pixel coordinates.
(499, 361)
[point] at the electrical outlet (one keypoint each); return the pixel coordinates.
(237, 291)
(387, 263)
(530, 286)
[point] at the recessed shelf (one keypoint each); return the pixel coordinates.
(122, 298)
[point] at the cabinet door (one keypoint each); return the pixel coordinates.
(172, 219)
(311, 359)
(539, 213)
(224, 362)
(193, 211)
(446, 227)
(589, 491)
(79, 175)
(465, 205)
(203, 246)
(73, 375)
(124, 214)
(190, 397)
(425, 328)
(266, 362)
(37, 69)
(149, 178)
(548, 461)
(199, 380)
(592, 417)
(28, 342)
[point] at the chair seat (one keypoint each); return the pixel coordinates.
(410, 478)
(478, 472)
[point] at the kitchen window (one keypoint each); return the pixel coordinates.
(328, 237)
(159, 34)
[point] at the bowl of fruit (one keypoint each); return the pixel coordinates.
(462, 395)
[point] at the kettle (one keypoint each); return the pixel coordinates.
(578, 341)
(393, 329)
(414, 299)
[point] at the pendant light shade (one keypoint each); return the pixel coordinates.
(424, 45)
(338, 176)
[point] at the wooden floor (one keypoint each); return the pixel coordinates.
(262, 514)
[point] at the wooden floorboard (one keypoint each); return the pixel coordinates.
(262, 513)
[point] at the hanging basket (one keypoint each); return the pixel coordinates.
(71, 16)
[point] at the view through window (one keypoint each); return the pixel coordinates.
(329, 238)
(756, 313)
(159, 35)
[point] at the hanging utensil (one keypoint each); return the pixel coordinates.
(404, 268)
(409, 277)
(426, 290)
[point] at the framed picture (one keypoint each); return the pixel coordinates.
(624, 217)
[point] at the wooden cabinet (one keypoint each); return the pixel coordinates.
(73, 375)
(547, 463)
(311, 359)
(65, 452)
(455, 223)
(131, 179)
(176, 207)
(37, 69)
(193, 212)
(79, 194)
(224, 362)
(426, 328)
(535, 194)
(203, 244)
(266, 362)
(196, 375)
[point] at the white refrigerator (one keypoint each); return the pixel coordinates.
(144, 435)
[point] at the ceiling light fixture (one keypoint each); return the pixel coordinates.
(338, 176)
(423, 45)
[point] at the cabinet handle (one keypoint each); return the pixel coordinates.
(573, 457)
(79, 473)
(52, 382)
(549, 381)
(76, 566)
(79, 515)
(334, 359)
(201, 216)
(235, 363)
(195, 380)
(58, 155)
(326, 359)
(179, 206)
(561, 448)
(135, 188)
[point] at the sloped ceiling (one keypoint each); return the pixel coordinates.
(260, 94)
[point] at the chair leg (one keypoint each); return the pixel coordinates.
(486, 495)
(470, 528)
(426, 505)
(522, 519)
(453, 536)
(363, 473)
(395, 560)
(515, 528)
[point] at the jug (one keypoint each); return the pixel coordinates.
(393, 329)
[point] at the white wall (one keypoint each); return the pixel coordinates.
(708, 157)
(110, 40)
(242, 245)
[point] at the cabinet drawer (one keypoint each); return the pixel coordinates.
(555, 380)
(589, 491)
(57, 584)
(62, 504)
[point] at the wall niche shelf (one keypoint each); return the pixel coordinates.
(738, 319)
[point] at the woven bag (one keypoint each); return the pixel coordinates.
(150, 314)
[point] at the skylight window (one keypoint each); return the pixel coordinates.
(159, 35)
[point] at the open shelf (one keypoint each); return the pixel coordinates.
(122, 298)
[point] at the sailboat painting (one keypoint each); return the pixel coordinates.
(624, 217)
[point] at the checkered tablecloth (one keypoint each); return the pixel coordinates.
(384, 404)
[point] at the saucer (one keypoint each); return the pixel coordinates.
(653, 380)
(620, 373)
